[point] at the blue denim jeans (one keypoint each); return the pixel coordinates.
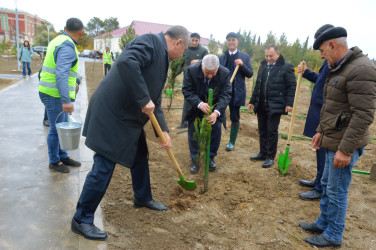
(24, 68)
(335, 183)
(54, 108)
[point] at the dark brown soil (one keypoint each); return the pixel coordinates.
(246, 207)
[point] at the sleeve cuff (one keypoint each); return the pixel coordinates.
(219, 113)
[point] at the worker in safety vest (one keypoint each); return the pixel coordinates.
(107, 59)
(57, 89)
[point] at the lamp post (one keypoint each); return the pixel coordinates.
(48, 33)
(17, 38)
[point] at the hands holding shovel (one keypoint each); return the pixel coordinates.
(148, 109)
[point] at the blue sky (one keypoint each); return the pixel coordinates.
(297, 19)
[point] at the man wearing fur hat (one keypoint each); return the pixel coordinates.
(347, 113)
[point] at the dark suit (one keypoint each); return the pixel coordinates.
(313, 116)
(195, 89)
(274, 90)
(114, 121)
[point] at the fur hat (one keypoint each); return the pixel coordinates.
(327, 32)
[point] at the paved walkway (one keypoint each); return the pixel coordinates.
(10, 76)
(37, 204)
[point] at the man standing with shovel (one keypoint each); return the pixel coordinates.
(116, 115)
(348, 111)
(273, 96)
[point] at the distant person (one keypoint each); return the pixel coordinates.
(230, 59)
(25, 55)
(348, 111)
(114, 126)
(272, 97)
(57, 89)
(107, 59)
(198, 78)
(193, 54)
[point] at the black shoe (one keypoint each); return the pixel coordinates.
(212, 164)
(307, 183)
(310, 195)
(59, 167)
(258, 157)
(89, 231)
(268, 163)
(183, 125)
(70, 162)
(320, 241)
(46, 123)
(194, 166)
(149, 204)
(310, 227)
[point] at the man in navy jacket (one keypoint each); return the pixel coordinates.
(313, 119)
(230, 59)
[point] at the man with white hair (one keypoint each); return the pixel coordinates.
(198, 78)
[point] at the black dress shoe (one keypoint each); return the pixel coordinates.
(194, 166)
(307, 183)
(320, 241)
(46, 123)
(310, 195)
(268, 163)
(89, 231)
(183, 125)
(310, 227)
(149, 204)
(258, 157)
(70, 162)
(212, 164)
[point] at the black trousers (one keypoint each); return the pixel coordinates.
(99, 178)
(107, 67)
(268, 129)
(234, 113)
(215, 139)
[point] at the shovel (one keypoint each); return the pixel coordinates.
(283, 159)
(189, 185)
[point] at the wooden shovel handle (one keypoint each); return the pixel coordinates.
(295, 104)
(234, 74)
(163, 140)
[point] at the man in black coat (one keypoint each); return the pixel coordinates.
(198, 78)
(230, 59)
(114, 123)
(273, 96)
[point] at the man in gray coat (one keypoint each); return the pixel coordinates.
(114, 123)
(346, 115)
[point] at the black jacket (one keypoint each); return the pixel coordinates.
(114, 120)
(239, 91)
(194, 90)
(276, 86)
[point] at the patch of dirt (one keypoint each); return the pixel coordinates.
(246, 207)
(9, 64)
(7, 82)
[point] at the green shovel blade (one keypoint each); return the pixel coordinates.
(284, 161)
(189, 185)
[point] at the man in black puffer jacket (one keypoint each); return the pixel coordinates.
(273, 96)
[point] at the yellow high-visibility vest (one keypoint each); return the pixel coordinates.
(47, 84)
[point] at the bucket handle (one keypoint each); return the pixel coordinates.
(58, 117)
(68, 118)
